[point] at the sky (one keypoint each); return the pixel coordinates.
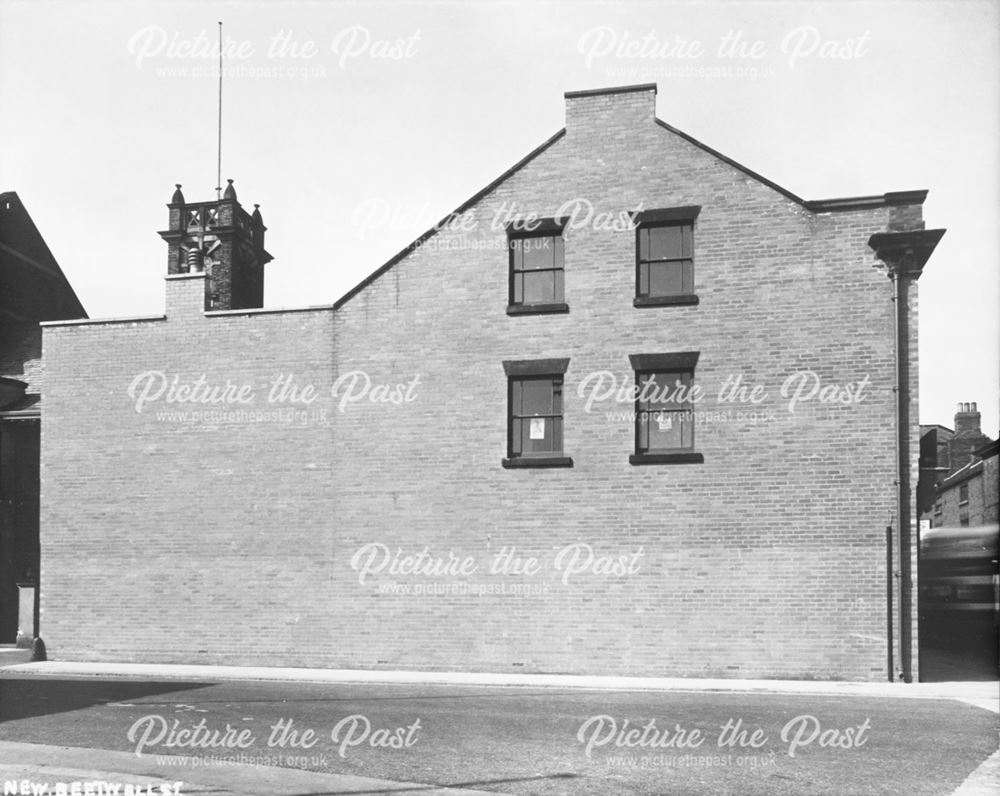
(357, 126)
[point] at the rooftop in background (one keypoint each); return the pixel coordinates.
(32, 285)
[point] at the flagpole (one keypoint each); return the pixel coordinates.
(218, 175)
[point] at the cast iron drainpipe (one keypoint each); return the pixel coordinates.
(889, 585)
(901, 285)
(905, 253)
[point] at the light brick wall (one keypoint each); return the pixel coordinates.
(170, 539)
(174, 542)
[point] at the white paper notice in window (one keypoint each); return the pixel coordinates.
(664, 421)
(538, 428)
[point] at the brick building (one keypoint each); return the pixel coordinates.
(449, 468)
(33, 288)
(968, 497)
(968, 492)
(957, 482)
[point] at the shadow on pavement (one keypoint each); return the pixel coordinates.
(450, 785)
(958, 652)
(24, 698)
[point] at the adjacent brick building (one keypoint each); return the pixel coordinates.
(464, 491)
(965, 489)
(958, 486)
(33, 288)
(968, 497)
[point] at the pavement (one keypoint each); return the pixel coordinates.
(984, 781)
(46, 767)
(982, 694)
(103, 770)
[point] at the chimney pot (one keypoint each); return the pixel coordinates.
(968, 435)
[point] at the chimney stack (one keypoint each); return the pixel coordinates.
(608, 113)
(968, 435)
(967, 419)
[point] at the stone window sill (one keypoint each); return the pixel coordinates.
(536, 461)
(537, 309)
(685, 300)
(686, 457)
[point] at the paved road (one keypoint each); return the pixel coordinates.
(516, 740)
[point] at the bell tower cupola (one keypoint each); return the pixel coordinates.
(222, 240)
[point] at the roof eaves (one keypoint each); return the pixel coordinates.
(891, 199)
(813, 205)
(988, 450)
(456, 212)
(959, 476)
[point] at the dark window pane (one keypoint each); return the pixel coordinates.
(517, 255)
(649, 393)
(660, 391)
(537, 276)
(667, 430)
(663, 421)
(538, 287)
(526, 444)
(687, 438)
(536, 421)
(679, 384)
(642, 419)
(642, 381)
(537, 434)
(665, 243)
(643, 244)
(537, 397)
(670, 430)
(666, 265)
(538, 253)
(518, 288)
(543, 432)
(665, 279)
